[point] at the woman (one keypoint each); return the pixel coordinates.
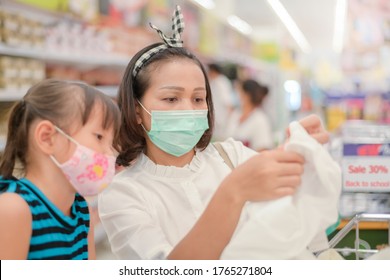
(250, 124)
(176, 198)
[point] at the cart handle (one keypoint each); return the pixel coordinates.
(354, 222)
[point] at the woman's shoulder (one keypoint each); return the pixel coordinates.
(236, 150)
(125, 182)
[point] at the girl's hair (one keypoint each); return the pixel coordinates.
(62, 103)
(256, 91)
(131, 135)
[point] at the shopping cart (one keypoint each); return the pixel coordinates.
(354, 223)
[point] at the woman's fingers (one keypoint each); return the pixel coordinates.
(283, 191)
(292, 181)
(321, 137)
(313, 125)
(311, 122)
(286, 156)
(288, 169)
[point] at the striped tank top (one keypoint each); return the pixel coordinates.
(54, 235)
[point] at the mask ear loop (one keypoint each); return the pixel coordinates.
(67, 137)
(144, 107)
(146, 112)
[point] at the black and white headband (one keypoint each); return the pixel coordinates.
(173, 42)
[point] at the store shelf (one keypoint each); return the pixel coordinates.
(44, 15)
(11, 95)
(105, 59)
(15, 95)
(111, 91)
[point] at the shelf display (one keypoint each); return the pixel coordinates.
(363, 150)
(341, 107)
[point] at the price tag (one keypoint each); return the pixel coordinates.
(366, 167)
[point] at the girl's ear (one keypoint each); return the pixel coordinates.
(44, 135)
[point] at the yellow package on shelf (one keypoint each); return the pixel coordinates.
(54, 5)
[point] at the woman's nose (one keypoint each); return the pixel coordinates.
(186, 104)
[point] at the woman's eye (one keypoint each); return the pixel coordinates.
(199, 100)
(170, 99)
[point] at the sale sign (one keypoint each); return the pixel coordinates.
(366, 167)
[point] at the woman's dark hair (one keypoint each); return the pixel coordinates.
(131, 135)
(256, 91)
(62, 103)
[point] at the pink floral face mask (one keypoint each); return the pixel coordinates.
(88, 171)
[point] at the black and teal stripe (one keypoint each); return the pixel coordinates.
(54, 235)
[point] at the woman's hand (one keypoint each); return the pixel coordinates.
(314, 127)
(269, 175)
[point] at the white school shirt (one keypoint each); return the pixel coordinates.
(255, 132)
(149, 208)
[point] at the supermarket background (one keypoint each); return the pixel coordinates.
(331, 57)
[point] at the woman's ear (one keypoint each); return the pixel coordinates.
(44, 136)
(138, 111)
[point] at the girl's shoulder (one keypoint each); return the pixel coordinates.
(15, 226)
(21, 187)
(13, 205)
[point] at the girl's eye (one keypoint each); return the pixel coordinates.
(99, 136)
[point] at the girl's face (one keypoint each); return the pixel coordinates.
(174, 85)
(94, 136)
(91, 135)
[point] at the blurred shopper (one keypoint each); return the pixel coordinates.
(250, 124)
(221, 90)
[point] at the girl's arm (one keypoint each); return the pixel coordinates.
(15, 227)
(91, 234)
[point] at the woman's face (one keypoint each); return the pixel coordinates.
(174, 85)
(244, 97)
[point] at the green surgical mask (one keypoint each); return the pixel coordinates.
(177, 132)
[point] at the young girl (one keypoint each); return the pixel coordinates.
(60, 135)
(177, 198)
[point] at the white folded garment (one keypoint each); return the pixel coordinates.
(285, 228)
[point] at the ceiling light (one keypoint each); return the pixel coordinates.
(207, 4)
(290, 24)
(239, 24)
(339, 25)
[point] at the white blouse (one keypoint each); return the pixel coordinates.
(255, 132)
(149, 208)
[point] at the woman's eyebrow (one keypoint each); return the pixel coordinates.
(172, 87)
(199, 89)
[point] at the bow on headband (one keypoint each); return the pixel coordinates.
(173, 42)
